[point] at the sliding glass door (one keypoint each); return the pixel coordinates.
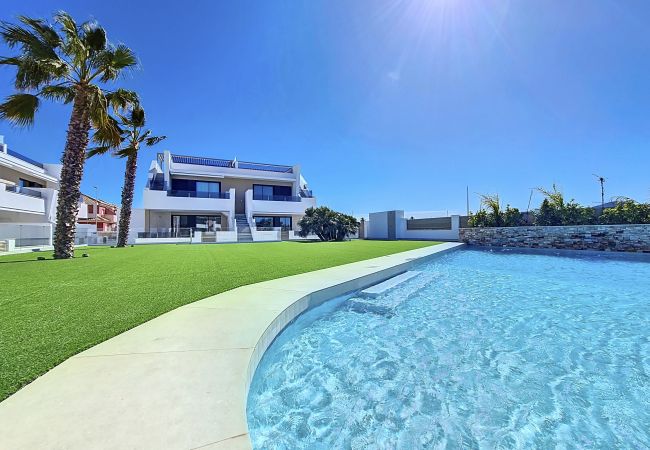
(182, 223)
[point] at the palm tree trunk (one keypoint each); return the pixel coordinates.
(127, 199)
(73, 160)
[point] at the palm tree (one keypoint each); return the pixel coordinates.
(132, 136)
(493, 205)
(69, 63)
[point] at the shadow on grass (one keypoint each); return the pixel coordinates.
(26, 260)
(48, 258)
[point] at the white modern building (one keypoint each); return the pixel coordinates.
(28, 198)
(197, 199)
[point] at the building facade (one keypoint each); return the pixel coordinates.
(220, 200)
(28, 198)
(97, 215)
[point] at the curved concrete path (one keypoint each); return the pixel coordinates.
(178, 381)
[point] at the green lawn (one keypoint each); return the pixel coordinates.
(50, 310)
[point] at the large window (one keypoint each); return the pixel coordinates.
(195, 188)
(283, 222)
(196, 223)
(268, 192)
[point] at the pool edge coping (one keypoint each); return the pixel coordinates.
(65, 389)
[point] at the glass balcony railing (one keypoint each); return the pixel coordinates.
(24, 191)
(198, 194)
(276, 198)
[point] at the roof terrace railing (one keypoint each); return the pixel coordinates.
(265, 167)
(15, 154)
(213, 162)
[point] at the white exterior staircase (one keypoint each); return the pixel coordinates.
(243, 229)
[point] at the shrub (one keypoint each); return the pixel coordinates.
(327, 224)
(626, 211)
(555, 211)
(493, 215)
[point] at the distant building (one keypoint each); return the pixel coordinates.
(100, 215)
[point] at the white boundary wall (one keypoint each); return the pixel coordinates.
(265, 236)
(378, 228)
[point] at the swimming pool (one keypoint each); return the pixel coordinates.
(482, 349)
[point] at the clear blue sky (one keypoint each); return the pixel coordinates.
(386, 104)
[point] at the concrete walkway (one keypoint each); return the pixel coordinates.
(179, 381)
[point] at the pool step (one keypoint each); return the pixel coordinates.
(391, 283)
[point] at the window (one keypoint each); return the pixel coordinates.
(195, 188)
(263, 222)
(208, 186)
(283, 222)
(90, 209)
(26, 183)
(268, 192)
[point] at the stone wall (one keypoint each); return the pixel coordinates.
(619, 238)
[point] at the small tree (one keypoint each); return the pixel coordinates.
(327, 224)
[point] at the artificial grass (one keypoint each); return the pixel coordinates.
(53, 309)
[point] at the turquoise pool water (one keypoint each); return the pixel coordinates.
(482, 350)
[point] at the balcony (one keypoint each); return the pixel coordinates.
(189, 201)
(277, 204)
(19, 199)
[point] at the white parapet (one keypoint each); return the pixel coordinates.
(227, 236)
(18, 202)
(265, 236)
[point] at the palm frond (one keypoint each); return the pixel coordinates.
(59, 93)
(29, 41)
(73, 44)
(122, 99)
(125, 152)
(10, 61)
(19, 109)
(105, 125)
(100, 150)
(137, 117)
(94, 36)
(32, 73)
(68, 24)
(46, 31)
(111, 62)
(153, 140)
